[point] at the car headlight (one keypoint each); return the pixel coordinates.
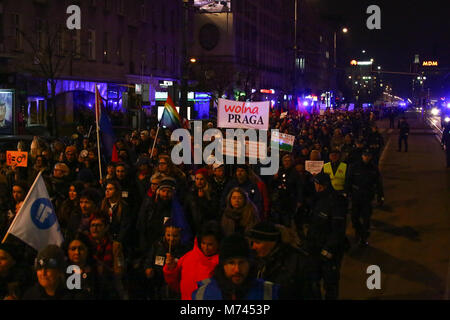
(435, 111)
(447, 119)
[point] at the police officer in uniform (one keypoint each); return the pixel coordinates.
(446, 142)
(326, 239)
(362, 184)
(337, 170)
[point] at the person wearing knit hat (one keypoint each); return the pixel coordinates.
(50, 266)
(279, 261)
(234, 276)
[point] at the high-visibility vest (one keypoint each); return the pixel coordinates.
(338, 179)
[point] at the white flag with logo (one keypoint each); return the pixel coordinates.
(36, 223)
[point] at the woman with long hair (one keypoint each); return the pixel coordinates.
(240, 214)
(70, 206)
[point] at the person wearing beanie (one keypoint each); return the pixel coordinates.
(280, 262)
(198, 264)
(14, 278)
(326, 241)
(155, 211)
(235, 276)
(50, 266)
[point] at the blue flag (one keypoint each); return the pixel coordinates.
(179, 220)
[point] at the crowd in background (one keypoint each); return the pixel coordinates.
(121, 230)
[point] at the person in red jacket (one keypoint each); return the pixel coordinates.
(196, 265)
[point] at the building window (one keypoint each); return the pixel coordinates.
(120, 49)
(60, 41)
(39, 34)
(143, 12)
(76, 44)
(155, 56)
(105, 47)
(121, 7)
(91, 45)
(108, 5)
(163, 18)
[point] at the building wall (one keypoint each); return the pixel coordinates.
(131, 37)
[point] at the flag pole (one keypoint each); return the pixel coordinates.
(97, 113)
(154, 142)
(24, 201)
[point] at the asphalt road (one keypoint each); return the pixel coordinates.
(410, 236)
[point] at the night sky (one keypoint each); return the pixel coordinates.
(407, 28)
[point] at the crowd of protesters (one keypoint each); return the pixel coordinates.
(249, 235)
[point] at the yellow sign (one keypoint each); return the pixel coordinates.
(17, 158)
(430, 64)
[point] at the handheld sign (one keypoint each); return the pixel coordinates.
(244, 115)
(18, 158)
(286, 141)
(314, 167)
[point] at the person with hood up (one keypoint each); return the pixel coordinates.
(196, 265)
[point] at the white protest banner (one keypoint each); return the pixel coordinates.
(36, 223)
(286, 141)
(241, 114)
(313, 167)
(233, 148)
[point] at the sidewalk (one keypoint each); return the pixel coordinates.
(410, 237)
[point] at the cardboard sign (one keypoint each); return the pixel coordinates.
(20, 159)
(286, 141)
(243, 115)
(252, 149)
(314, 167)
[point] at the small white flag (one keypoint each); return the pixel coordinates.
(36, 223)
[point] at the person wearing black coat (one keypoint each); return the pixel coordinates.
(403, 126)
(362, 183)
(326, 241)
(278, 261)
(156, 287)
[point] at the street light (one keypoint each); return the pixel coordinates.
(344, 30)
(193, 60)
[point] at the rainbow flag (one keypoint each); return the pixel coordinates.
(170, 118)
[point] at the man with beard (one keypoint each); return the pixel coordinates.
(154, 213)
(235, 276)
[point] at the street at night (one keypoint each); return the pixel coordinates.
(227, 150)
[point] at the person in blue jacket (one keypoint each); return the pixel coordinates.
(234, 277)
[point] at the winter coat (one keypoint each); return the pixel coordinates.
(239, 220)
(193, 267)
(209, 290)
